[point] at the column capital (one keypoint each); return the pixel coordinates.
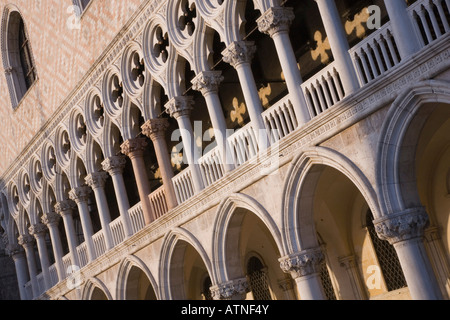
(406, 225)
(156, 129)
(180, 106)
(51, 218)
(64, 207)
(14, 250)
(114, 165)
(37, 230)
(25, 240)
(230, 290)
(239, 52)
(276, 19)
(134, 147)
(96, 180)
(207, 81)
(304, 263)
(80, 194)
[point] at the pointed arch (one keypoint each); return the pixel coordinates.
(298, 228)
(124, 271)
(168, 248)
(222, 224)
(397, 146)
(93, 284)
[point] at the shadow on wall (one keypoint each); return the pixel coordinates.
(9, 289)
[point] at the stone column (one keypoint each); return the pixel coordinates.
(65, 210)
(114, 166)
(405, 231)
(240, 55)
(97, 181)
(51, 220)
(16, 252)
(230, 290)
(402, 27)
(27, 242)
(207, 82)
(134, 149)
(304, 267)
(180, 109)
(81, 196)
(276, 23)
(156, 129)
(339, 44)
(350, 265)
(38, 231)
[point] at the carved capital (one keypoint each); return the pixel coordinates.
(230, 290)
(276, 19)
(64, 207)
(207, 81)
(51, 218)
(406, 225)
(96, 180)
(80, 194)
(25, 240)
(134, 147)
(156, 129)
(180, 106)
(37, 230)
(114, 165)
(14, 249)
(302, 264)
(239, 52)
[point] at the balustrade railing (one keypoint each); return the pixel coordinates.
(53, 275)
(184, 188)
(431, 19)
(280, 119)
(158, 202)
(137, 218)
(211, 166)
(99, 243)
(375, 55)
(243, 144)
(117, 231)
(323, 90)
(82, 255)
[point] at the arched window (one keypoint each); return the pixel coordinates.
(18, 62)
(387, 258)
(257, 276)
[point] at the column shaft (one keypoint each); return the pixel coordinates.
(114, 166)
(402, 27)
(339, 44)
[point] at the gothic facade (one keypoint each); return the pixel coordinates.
(226, 149)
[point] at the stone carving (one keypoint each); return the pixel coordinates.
(180, 106)
(403, 226)
(25, 240)
(37, 229)
(50, 218)
(114, 165)
(134, 146)
(276, 19)
(207, 81)
(302, 264)
(239, 52)
(231, 290)
(80, 194)
(96, 180)
(64, 207)
(155, 129)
